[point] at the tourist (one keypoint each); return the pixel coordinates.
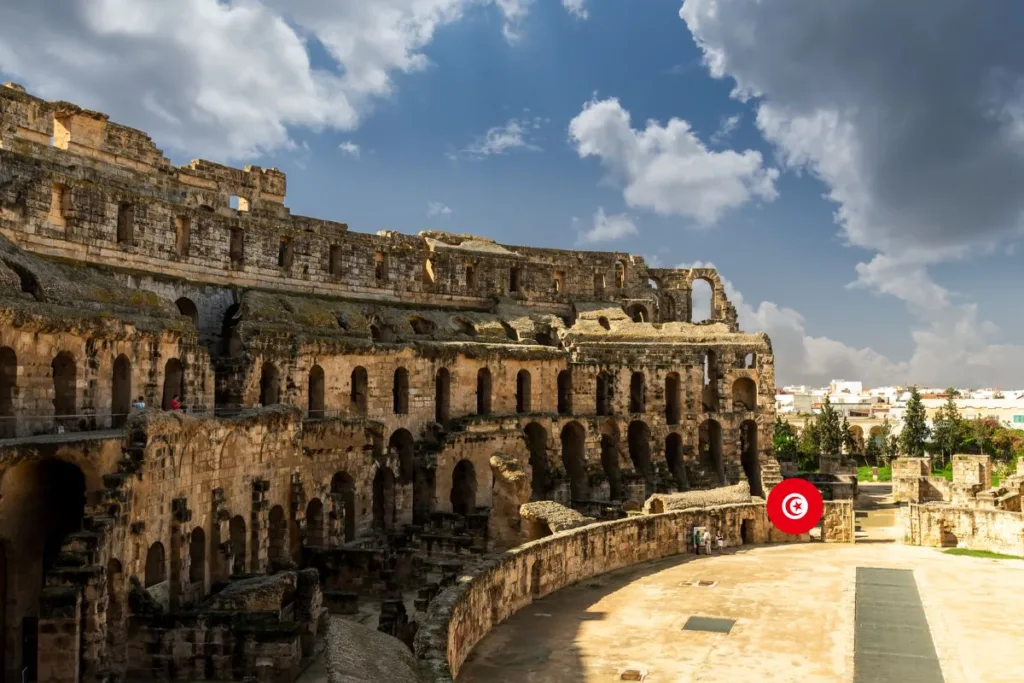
(140, 404)
(696, 540)
(176, 403)
(721, 543)
(707, 542)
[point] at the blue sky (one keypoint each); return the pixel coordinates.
(835, 116)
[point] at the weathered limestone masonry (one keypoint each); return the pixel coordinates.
(461, 616)
(374, 407)
(967, 512)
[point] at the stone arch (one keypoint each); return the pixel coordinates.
(277, 535)
(638, 437)
(524, 392)
(709, 395)
(237, 539)
(8, 392)
(359, 391)
(42, 501)
(565, 392)
(674, 460)
(483, 391)
(702, 300)
(749, 456)
(673, 399)
(536, 438)
(463, 493)
(156, 565)
(121, 391)
(750, 361)
(605, 393)
(174, 382)
(343, 493)
(610, 458)
(638, 313)
(315, 392)
(620, 273)
(402, 446)
(187, 308)
(710, 449)
(637, 393)
(197, 556)
(442, 396)
(744, 394)
(230, 340)
(574, 459)
(400, 392)
(876, 434)
(65, 384)
(858, 437)
(315, 523)
(384, 500)
(270, 384)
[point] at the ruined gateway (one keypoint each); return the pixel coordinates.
(363, 415)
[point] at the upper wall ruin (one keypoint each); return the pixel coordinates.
(75, 185)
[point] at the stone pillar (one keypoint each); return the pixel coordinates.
(179, 561)
(59, 636)
(259, 524)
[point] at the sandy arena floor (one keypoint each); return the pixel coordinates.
(794, 612)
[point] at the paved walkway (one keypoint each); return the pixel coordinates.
(793, 608)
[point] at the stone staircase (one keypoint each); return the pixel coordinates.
(771, 474)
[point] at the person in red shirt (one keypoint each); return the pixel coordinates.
(176, 402)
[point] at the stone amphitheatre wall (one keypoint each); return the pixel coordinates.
(940, 525)
(460, 617)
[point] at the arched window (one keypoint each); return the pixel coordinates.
(574, 460)
(637, 393)
(188, 309)
(359, 391)
(384, 500)
(463, 494)
(605, 393)
(174, 383)
(483, 391)
(673, 398)
(744, 395)
(316, 392)
(343, 495)
(400, 392)
(564, 392)
(121, 391)
(197, 556)
(270, 385)
(237, 537)
(442, 396)
(65, 384)
(524, 392)
(156, 565)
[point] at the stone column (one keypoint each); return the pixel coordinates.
(59, 636)
(259, 524)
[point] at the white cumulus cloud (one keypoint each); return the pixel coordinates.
(607, 228)
(577, 8)
(350, 148)
(438, 209)
(500, 140)
(667, 169)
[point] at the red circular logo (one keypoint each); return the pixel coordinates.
(795, 506)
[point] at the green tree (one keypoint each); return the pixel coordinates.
(850, 444)
(949, 430)
(830, 429)
(915, 427)
(887, 443)
(952, 392)
(873, 451)
(784, 441)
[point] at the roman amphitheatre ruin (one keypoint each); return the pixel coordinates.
(242, 444)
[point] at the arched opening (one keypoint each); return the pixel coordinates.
(744, 395)
(858, 438)
(442, 396)
(710, 448)
(294, 543)
(639, 438)
(709, 396)
(315, 524)
(470, 276)
(876, 435)
(421, 326)
(278, 538)
(384, 501)
(8, 391)
(637, 393)
(564, 392)
(510, 332)
(270, 385)
(174, 383)
(197, 556)
(402, 448)
(668, 308)
(483, 391)
(701, 301)
(465, 327)
(156, 565)
(674, 459)
(237, 538)
(605, 393)
(230, 341)
(574, 459)
(750, 361)
(638, 313)
(65, 382)
(121, 391)
(749, 456)
(610, 459)
(359, 391)
(41, 503)
(315, 392)
(673, 399)
(537, 443)
(187, 308)
(343, 494)
(400, 392)
(620, 274)
(463, 495)
(513, 280)
(524, 392)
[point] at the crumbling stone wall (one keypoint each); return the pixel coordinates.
(939, 525)
(838, 522)
(459, 618)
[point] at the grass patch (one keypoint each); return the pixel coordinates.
(966, 552)
(864, 474)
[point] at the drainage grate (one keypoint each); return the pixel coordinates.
(709, 624)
